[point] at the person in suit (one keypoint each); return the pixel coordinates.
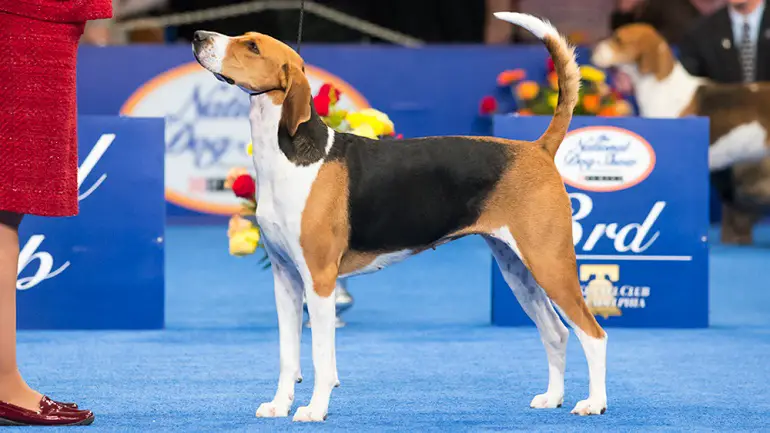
(732, 45)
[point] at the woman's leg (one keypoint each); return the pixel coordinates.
(13, 389)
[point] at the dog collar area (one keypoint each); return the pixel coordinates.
(261, 92)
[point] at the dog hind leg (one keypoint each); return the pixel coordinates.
(547, 250)
(538, 307)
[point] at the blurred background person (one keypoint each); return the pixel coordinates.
(671, 18)
(731, 46)
(38, 164)
(107, 32)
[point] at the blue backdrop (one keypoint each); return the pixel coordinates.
(644, 237)
(104, 268)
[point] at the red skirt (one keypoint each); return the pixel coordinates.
(38, 115)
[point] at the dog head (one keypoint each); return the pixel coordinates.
(636, 45)
(258, 64)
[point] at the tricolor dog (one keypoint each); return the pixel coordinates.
(739, 113)
(334, 204)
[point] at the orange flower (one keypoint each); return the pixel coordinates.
(527, 90)
(624, 108)
(591, 103)
(506, 78)
(525, 112)
(609, 111)
(553, 80)
(233, 174)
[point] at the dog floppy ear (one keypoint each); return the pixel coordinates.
(656, 58)
(296, 103)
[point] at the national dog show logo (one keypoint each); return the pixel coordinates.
(207, 129)
(604, 159)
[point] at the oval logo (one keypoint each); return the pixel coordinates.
(604, 158)
(207, 129)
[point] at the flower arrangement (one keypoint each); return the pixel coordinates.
(366, 123)
(243, 230)
(596, 97)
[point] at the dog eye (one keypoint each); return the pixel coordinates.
(252, 46)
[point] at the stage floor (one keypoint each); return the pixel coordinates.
(418, 354)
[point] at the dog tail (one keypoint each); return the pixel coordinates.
(563, 55)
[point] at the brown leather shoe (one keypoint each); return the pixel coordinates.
(50, 414)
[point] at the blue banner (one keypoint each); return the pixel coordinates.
(640, 195)
(104, 268)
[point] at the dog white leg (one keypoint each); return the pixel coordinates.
(322, 314)
(595, 350)
(539, 308)
(288, 300)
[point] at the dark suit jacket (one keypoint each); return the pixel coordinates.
(703, 52)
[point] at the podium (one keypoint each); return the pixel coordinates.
(640, 207)
(104, 268)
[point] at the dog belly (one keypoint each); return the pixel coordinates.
(358, 263)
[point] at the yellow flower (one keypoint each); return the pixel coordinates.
(553, 99)
(244, 242)
(378, 121)
(238, 224)
(364, 130)
(335, 118)
(250, 148)
(592, 74)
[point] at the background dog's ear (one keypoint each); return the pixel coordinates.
(656, 58)
(296, 104)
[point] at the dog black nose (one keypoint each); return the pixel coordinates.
(200, 36)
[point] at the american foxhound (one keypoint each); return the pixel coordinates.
(333, 205)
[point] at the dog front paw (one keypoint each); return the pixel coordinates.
(308, 414)
(274, 409)
(547, 401)
(591, 406)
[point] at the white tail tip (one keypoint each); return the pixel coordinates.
(536, 26)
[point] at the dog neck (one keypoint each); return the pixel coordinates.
(668, 97)
(271, 138)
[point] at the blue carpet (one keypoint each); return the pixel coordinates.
(418, 354)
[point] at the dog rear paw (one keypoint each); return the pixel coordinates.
(308, 414)
(547, 401)
(590, 406)
(273, 410)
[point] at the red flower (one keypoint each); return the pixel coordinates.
(549, 65)
(322, 104)
(488, 105)
(399, 136)
(330, 91)
(244, 187)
